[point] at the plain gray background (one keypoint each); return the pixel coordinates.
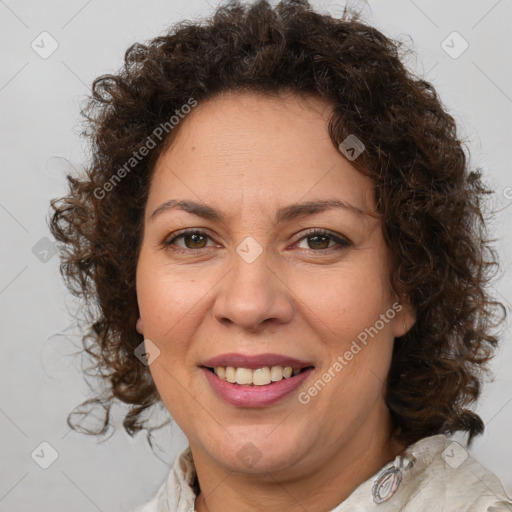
(40, 97)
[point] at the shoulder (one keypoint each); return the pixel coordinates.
(435, 473)
(157, 503)
(176, 493)
(447, 474)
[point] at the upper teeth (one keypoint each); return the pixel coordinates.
(258, 377)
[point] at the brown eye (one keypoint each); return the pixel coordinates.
(194, 241)
(319, 240)
(191, 240)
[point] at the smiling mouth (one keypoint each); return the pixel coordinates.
(263, 376)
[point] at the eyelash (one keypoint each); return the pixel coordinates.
(170, 241)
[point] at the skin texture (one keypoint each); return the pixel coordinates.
(250, 155)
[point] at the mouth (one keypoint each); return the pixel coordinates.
(255, 387)
(255, 380)
(262, 376)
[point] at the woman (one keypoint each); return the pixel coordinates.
(282, 243)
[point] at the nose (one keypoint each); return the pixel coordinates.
(253, 295)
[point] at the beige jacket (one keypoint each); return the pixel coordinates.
(437, 474)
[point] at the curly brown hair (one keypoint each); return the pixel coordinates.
(431, 203)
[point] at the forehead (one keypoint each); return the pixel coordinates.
(262, 150)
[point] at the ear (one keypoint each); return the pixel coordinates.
(138, 326)
(404, 318)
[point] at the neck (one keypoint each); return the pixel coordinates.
(329, 479)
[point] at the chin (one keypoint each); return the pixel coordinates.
(259, 455)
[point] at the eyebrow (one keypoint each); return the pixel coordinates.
(285, 214)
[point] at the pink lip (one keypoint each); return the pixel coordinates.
(255, 396)
(257, 361)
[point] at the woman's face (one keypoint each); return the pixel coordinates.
(271, 269)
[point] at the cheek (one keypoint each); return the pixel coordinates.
(344, 302)
(171, 308)
(168, 302)
(173, 305)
